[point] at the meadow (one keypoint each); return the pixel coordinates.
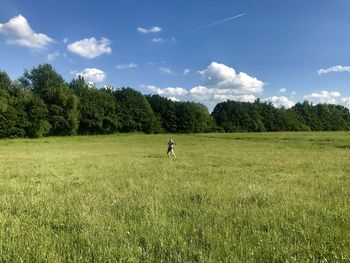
(240, 197)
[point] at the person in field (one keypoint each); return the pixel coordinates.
(171, 148)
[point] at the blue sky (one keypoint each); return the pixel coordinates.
(279, 51)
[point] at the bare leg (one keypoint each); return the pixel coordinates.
(172, 152)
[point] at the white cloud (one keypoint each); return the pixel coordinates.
(186, 71)
(334, 69)
(174, 99)
(52, 56)
(165, 70)
(170, 91)
(242, 98)
(221, 76)
(346, 101)
(154, 29)
(329, 97)
(127, 66)
(175, 91)
(158, 40)
(293, 93)
(20, 33)
(324, 96)
(201, 94)
(281, 101)
(200, 90)
(65, 40)
(91, 75)
(282, 90)
(90, 47)
(221, 84)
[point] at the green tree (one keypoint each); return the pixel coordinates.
(97, 108)
(193, 117)
(135, 112)
(165, 110)
(11, 124)
(235, 116)
(62, 104)
(291, 121)
(34, 113)
(308, 115)
(5, 81)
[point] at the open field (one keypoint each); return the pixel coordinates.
(269, 197)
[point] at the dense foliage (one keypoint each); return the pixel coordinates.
(182, 117)
(97, 109)
(41, 103)
(262, 116)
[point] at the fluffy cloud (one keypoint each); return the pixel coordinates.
(165, 70)
(154, 29)
(324, 96)
(330, 97)
(281, 101)
(90, 47)
(346, 101)
(199, 90)
(186, 71)
(203, 94)
(221, 83)
(127, 66)
(20, 33)
(174, 99)
(200, 93)
(220, 76)
(334, 69)
(243, 98)
(91, 75)
(170, 91)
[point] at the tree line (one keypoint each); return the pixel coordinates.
(232, 116)
(41, 103)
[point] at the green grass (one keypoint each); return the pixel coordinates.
(268, 197)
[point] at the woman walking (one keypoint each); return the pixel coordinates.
(171, 148)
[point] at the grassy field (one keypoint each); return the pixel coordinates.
(269, 197)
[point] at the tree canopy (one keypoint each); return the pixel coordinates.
(41, 103)
(262, 116)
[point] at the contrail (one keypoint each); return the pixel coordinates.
(213, 24)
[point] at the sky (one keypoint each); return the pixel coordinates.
(205, 51)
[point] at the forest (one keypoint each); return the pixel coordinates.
(41, 103)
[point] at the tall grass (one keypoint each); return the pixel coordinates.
(269, 197)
